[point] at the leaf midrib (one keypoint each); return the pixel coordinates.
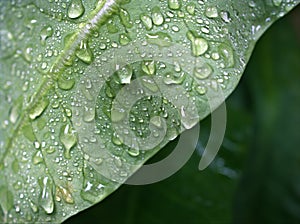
(101, 13)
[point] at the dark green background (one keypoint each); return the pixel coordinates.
(256, 176)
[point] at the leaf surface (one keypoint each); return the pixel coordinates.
(92, 89)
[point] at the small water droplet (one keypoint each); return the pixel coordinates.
(203, 72)
(46, 196)
(68, 138)
(199, 45)
(227, 53)
(89, 114)
(15, 110)
(225, 16)
(84, 53)
(201, 90)
(38, 109)
(75, 9)
(33, 206)
(116, 139)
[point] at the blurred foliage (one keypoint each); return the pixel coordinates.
(256, 176)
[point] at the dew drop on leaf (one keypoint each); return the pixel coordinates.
(75, 9)
(125, 74)
(68, 138)
(211, 12)
(157, 16)
(174, 4)
(147, 21)
(84, 53)
(199, 45)
(65, 83)
(203, 72)
(37, 158)
(38, 109)
(149, 67)
(46, 196)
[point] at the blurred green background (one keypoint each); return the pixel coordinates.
(256, 175)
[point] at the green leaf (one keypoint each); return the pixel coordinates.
(67, 69)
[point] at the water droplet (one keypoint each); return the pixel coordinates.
(201, 90)
(64, 193)
(46, 32)
(37, 158)
(65, 83)
(174, 78)
(33, 206)
(133, 152)
(28, 53)
(203, 72)
(125, 18)
(225, 16)
(161, 39)
(75, 9)
(68, 138)
(111, 27)
(149, 67)
(124, 39)
(125, 74)
(174, 4)
(149, 84)
(15, 110)
(38, 109)
(89, 114)
(46, 196)
(227, 53)
(199, 45)
(157, 16)
(277, 2)
(84, 53)
(190, 8)
(211, 12)
(116, 139)
(147, 21)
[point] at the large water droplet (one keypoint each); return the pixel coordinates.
(211, 12)
(174, 4)
(199, 45)
(46, 32)
(125, 74)
(125, 18)
(203, 72)
(149, 67)
(161, 39)
(46, 196)
(65, 83)
(227, 53)
(68, 138)
(84, 53)
(65, 194)
(190, 8)
(75, 9)
(147, 21)
(124, 39)
(38, 109)
(37, 158)
(277, 2)
(157, 16)
(174, 78)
